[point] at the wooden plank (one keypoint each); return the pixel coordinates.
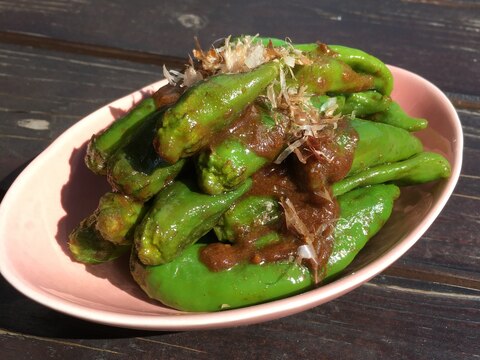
(42, 93)
(388, 317)
(437, 39)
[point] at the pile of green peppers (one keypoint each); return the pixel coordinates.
(176, 187)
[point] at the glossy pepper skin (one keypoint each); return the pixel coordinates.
(231, 161)
(358, 223)
(394, 115)
(187, 284)
(103, 145)
(108, 232)
(329, 75)
(206, 108)
(365, 103)
(381, 143)
(136, 169)
(371, 105)
(363, 62)
(179, 216)
(358, 60)
(224, 166)
(420, 168)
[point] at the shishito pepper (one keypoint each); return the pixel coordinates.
(371, 105)
(363, 62)
(206, 108)
(179, 216)
(358, 60)
(187, 284)
(246, 214)
(230, 162)
(116, 217)
(136, 169)
(381, 143)
(107, 233)
(104, 144)
(396, 116)
(419, 169)
(254, 140)
(89, 247)
(329, 75)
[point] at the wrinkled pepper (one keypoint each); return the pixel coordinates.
(371, 105)
(419, 169)
(104, 144)
(358, 60)
(116, 217)
(89, 247)
(187, 284)
(179, 216)
(136, 169)
(381, 143)
(206, 108)
(245, 215)
(107, 233)
(224, 166)
(328, 75)
(396, 116)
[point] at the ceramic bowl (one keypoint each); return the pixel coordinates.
(56, 191)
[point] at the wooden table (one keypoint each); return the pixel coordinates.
(62, 59)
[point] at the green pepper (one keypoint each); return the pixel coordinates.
(108, 232)
(104, 144)
(230, 162)
(206, 108)
(116, 217)
(364, 103)
(187, 284)
(381, 143)
(225, 165)
(89, 247)
(136, 169)
(396, 116)
(246, 214)
(329, 75)
(420, 168)
(365, 63)
(179, 216)
(358, 60)
(371, 105)
(358, 222)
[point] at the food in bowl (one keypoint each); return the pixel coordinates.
(258, 172)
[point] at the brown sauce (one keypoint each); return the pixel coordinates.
(325, 160)
(265, 140)
(167, 95)
(299, 183)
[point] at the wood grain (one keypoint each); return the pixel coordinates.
(423, 36)
(62, 59)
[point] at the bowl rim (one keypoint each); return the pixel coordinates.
(235, 317)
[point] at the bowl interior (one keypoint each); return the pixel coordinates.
(56, 191)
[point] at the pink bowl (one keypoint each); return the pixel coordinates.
(56, 191)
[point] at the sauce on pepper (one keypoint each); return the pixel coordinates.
(251, 129)
(304, 188)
